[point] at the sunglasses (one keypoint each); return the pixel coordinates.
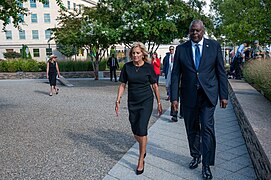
(171, 49)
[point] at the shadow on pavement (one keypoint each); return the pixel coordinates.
(109, 142)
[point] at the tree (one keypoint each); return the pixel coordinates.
(68, 35)
(245, 20)
(89, 30)
(119, 21)
(151, 22)
(13, 8)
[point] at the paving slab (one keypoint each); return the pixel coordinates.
(168, 153)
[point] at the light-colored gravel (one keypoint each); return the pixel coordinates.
(72, 135)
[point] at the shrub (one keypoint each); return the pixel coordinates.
(12, 55)
(102, 65)
(13, 66)
(42, 66)
(3, 66)
(121, 64)
(258, 73)
(29, 65)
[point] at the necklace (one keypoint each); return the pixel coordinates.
(137, 68)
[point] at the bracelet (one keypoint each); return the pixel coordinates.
(159, 103)
(117, 101)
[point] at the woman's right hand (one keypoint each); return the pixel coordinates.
(117, 108)
(47, 76)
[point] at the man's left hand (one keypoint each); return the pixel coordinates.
(223, 103)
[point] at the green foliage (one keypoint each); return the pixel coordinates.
(69, 66)
(42, 66)
(13, 66)
(102, 65)
(121, 64)
(3, 66)
(11, 55)
(30, 65)
(258, 73)
(152, 22)
(240, 21)
(13, 9)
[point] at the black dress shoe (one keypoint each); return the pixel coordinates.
(174, 119)
(194, 163)
(206, 172)
(138, 172)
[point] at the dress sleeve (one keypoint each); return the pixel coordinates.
(123, 75)
(152, 75)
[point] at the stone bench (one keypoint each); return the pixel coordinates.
(253, 111)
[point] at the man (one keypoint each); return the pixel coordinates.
(167, 68)
(200, 66)
(239, 59)
(257, 51)
(113, 65)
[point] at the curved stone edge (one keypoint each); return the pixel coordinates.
(257, 153)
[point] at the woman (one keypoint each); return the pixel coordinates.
(156, 65)
(51, 72)
(140, 77)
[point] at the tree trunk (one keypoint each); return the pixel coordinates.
(96, 68)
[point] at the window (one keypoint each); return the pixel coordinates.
(21, 16)
(20, 4)
(36, 52)
(80, 8)
(33, 3)
(35, 34)
(69, 5)
(34, 18)
(9, 50)
(8, 21)
(22, 34)
(47, 34)
(46, 4)
(8, 35)
(74, 6)
(47, 18)
(49, 51)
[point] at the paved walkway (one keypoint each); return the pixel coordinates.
(168, 155)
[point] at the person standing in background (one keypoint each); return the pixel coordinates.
(156, 65)
(167, 68)
(52, 71)
(239, 59)
(199, 65)
(113, 64)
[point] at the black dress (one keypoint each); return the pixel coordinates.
(52, 73)
(140, 95)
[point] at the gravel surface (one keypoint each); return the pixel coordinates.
(72, 135)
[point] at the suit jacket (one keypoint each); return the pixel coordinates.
(211, 74)
(109, 63)
(166, 64)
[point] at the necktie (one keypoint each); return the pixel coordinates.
(113, 61)
(171, 58)
(197, 56)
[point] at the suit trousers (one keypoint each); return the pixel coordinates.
(113, 72)
(199, 124)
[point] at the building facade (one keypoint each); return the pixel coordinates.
(35, 30)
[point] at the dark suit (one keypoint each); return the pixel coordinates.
(166, 64)
(200, 90)
(113, 67)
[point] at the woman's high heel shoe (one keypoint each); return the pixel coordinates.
(138, 172)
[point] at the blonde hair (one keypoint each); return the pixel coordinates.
(143, 49)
